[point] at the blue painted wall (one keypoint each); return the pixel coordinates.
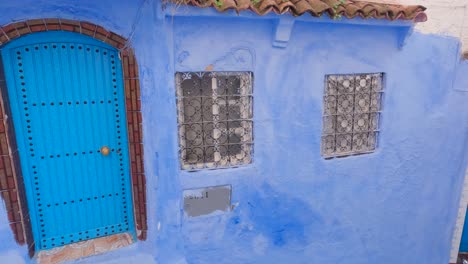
(397, 205)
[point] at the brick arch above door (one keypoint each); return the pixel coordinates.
(11, 180)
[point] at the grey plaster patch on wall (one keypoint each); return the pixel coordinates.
(207, 200)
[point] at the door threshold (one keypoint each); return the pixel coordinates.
(84, 249)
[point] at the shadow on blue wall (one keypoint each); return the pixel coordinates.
(281, 219)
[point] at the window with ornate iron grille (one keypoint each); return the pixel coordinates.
(215, 119)
(351, 113)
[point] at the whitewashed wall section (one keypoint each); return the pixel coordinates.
(446, 17)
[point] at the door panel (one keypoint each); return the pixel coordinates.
(464, 238)
(67, 101)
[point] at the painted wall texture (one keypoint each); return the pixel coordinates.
(397, 205)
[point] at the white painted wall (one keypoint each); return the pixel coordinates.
(457, 233)
(448, 17)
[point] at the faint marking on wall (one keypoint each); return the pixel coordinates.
(239, 57)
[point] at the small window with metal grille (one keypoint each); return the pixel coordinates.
(351, 113)
(215, 119)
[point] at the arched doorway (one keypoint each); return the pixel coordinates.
(68, 108)
(124, 57)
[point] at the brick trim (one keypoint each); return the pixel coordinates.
(135, 139)
(17, 29)
(11, 180)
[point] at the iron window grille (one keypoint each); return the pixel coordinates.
(214, 119)
(351, 114)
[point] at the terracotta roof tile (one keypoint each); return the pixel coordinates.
(316, 8)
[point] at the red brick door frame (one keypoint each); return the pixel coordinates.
(11, 180)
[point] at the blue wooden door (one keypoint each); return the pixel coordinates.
(464, 238)
(67, 101)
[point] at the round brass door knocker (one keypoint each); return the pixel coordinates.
(105, 150)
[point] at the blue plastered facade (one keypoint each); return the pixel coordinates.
(396, 205)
